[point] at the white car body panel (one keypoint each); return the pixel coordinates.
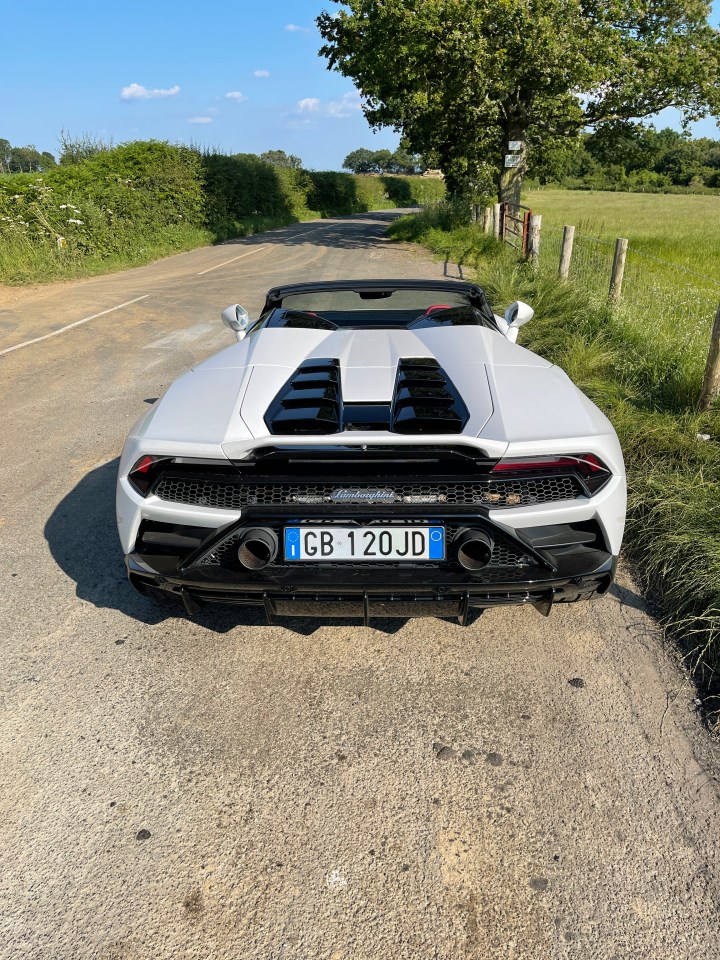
(519, 405)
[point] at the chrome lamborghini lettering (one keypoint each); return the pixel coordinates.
(363, 496)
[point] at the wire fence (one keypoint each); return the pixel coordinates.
(670, 305)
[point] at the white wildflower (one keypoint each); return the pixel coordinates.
(71, 220)
(63, 206)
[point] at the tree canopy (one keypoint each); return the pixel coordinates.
(383, 161)
(461, 78)
(278, 158)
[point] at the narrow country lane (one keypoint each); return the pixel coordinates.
(522, 789)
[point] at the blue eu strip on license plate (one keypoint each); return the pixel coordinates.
(332, 543)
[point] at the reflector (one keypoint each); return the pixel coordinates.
(143, 474)
(587, 466)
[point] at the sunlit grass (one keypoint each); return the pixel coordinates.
(26, 262)
(646, 378)
(684, 230)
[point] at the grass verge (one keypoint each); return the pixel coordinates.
(682, 229)
(673, 529)
(29, 262)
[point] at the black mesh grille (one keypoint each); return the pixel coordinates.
(505, 554)
(493, 493)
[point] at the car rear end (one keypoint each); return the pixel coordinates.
(417, 527)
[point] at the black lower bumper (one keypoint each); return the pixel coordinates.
(333, 592)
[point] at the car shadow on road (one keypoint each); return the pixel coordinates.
(82, 537)
(627, 597)
(342, 233)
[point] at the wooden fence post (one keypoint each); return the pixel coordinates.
(566, 252)
(711, 380)
(618, 269)
(496, 221)
(534, 244)
(487, 220)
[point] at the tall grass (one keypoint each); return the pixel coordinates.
(682, 229)
(648, 388)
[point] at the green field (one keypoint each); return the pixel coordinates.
(682, 229)
(642, 362)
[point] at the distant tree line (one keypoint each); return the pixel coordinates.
(23, 159)
(383, 161)
(631, 157)
(30, 160)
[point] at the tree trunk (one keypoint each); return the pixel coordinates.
(511, 178)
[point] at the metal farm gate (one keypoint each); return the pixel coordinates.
(515, 226)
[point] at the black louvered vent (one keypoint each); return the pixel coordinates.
(310, 401)
(426, 400)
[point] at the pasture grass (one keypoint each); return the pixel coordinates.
(684, 230)
(648, 386)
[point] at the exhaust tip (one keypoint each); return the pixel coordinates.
(257, 548)
(474, 548)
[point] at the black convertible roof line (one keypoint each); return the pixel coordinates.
(472, 291)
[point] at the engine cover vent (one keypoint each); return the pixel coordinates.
(426, 400)
(310, 401)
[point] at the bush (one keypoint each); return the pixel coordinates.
(141, 200)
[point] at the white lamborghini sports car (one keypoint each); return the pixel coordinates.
(373, 448)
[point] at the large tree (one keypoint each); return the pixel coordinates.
(461, 78)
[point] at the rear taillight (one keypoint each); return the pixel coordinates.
(145, 472)
(588, 468)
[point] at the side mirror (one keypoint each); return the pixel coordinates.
(516, 315)
(237, 318)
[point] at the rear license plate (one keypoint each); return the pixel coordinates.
(331, 543)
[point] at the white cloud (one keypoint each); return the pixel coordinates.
(309, 105)
(200, 119)
(294, 28)
(345, 106)
(261, 73)
(136, 91)
(236, 96)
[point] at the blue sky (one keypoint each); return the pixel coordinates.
(242, 76)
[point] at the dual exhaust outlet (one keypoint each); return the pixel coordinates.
(258, 547)
(474, 548)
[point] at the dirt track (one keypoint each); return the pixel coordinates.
(524, 788)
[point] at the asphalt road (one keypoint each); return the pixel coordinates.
(524, 788)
